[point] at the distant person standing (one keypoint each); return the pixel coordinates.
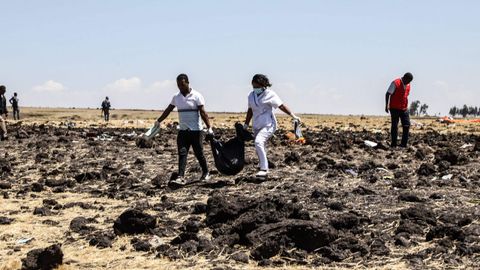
(396, 103)
(262, 103)
(190, 106)
(14, 102)
(106, 109)
(3, 113)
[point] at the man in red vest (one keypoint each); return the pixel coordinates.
(396, 102)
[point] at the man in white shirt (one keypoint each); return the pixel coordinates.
(190, 107)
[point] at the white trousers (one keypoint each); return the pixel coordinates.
(261, 138)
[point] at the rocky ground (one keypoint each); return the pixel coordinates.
(92, 198)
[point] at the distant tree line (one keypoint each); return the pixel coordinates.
(417, 108)
(464, 111)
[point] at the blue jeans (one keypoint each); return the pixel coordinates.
(404, 117)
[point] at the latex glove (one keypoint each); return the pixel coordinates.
(210, 131)
(296, 118)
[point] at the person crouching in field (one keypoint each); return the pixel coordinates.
(261, 105)
(396, 102)
(190, 106)
(3, 113)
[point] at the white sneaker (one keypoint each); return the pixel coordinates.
(262, 174)
(179, 181)
(205, 176)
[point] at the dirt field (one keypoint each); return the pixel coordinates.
(333, 203)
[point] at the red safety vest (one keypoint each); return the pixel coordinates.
(399, 99)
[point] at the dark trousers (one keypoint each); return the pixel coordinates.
(404, 117)
(106, 115)
(16, 113)
(185, 139)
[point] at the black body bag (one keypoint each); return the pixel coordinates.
(230, 156)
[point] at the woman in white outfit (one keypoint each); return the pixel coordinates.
(261, 105)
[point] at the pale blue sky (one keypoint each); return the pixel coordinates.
(321, 56)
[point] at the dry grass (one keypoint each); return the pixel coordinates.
(145, 118)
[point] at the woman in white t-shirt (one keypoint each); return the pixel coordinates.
(261, 105)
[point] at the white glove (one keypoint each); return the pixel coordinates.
(210, 131)
(296, 118)
(245, 126)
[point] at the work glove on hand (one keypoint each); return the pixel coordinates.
(245, 126)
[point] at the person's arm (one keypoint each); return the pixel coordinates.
(286, 110)
(248, 117)
(390, 91)
(387, 101)
(204, 116)
(165, 113)
(11, 100)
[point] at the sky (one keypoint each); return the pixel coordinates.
(327, 57)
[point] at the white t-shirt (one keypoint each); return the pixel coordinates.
(187, 107)
(263, 107)
(392, 87)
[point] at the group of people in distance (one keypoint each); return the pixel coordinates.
(262, 102)
(4, 111)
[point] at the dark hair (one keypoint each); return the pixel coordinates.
(106, 97)
(182, 77)
(261, 80)
(408, 76)
(15, 93)
(2, 87)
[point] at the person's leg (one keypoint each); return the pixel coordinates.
(108, 116)
(18, 114)
(183, 145)
(405, 118)
(260, 140)
(3, 127)
(197, 145)
(394, 129)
